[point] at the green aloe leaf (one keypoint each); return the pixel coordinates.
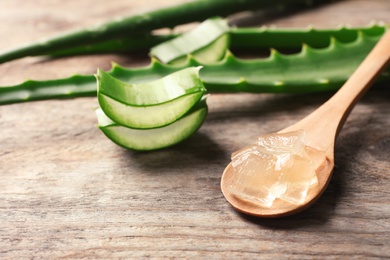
(310, 70)
(313, 69)
(240, 39)
(150, 104)
(168, 17)
(155, 138)
(254, 38)
(207, 43)
(122, 44)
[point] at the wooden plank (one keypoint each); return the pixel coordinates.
(67, 191)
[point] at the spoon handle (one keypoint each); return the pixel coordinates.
(363, 78)
(324, 124)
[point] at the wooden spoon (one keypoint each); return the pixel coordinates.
(321, 127)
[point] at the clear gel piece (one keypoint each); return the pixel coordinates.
(277, 166)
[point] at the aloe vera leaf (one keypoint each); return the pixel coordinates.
(283, 38)
(32, 90)
(207, 43)
(310, 70)
(155, 138)
(151, 104)
(142, 42)
(190, 11)
(241, 38)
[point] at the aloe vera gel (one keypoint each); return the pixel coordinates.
(278, 166)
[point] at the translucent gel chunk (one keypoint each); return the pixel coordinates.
(278, 166)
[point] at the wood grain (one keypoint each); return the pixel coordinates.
(68, 192)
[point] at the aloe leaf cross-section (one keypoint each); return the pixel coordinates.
(155, 138)
(149, 104)
(207, 43)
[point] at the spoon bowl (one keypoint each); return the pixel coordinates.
(321, 128)
(279, 207)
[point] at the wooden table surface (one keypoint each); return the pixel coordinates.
(66, 191)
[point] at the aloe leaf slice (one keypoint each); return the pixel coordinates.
(207, 43)
(150, 104)
(155, 138)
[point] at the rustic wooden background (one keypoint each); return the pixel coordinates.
(68, 192)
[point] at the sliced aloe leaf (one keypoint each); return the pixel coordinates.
(156, 138)
(207, 43)
(150, 104)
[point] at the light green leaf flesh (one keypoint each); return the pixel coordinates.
(156, 138)
(209, 54)
(206, 43)
(150, 104)
(144, 117)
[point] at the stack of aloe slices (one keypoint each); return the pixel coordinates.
(153, 115)
(157, 114)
